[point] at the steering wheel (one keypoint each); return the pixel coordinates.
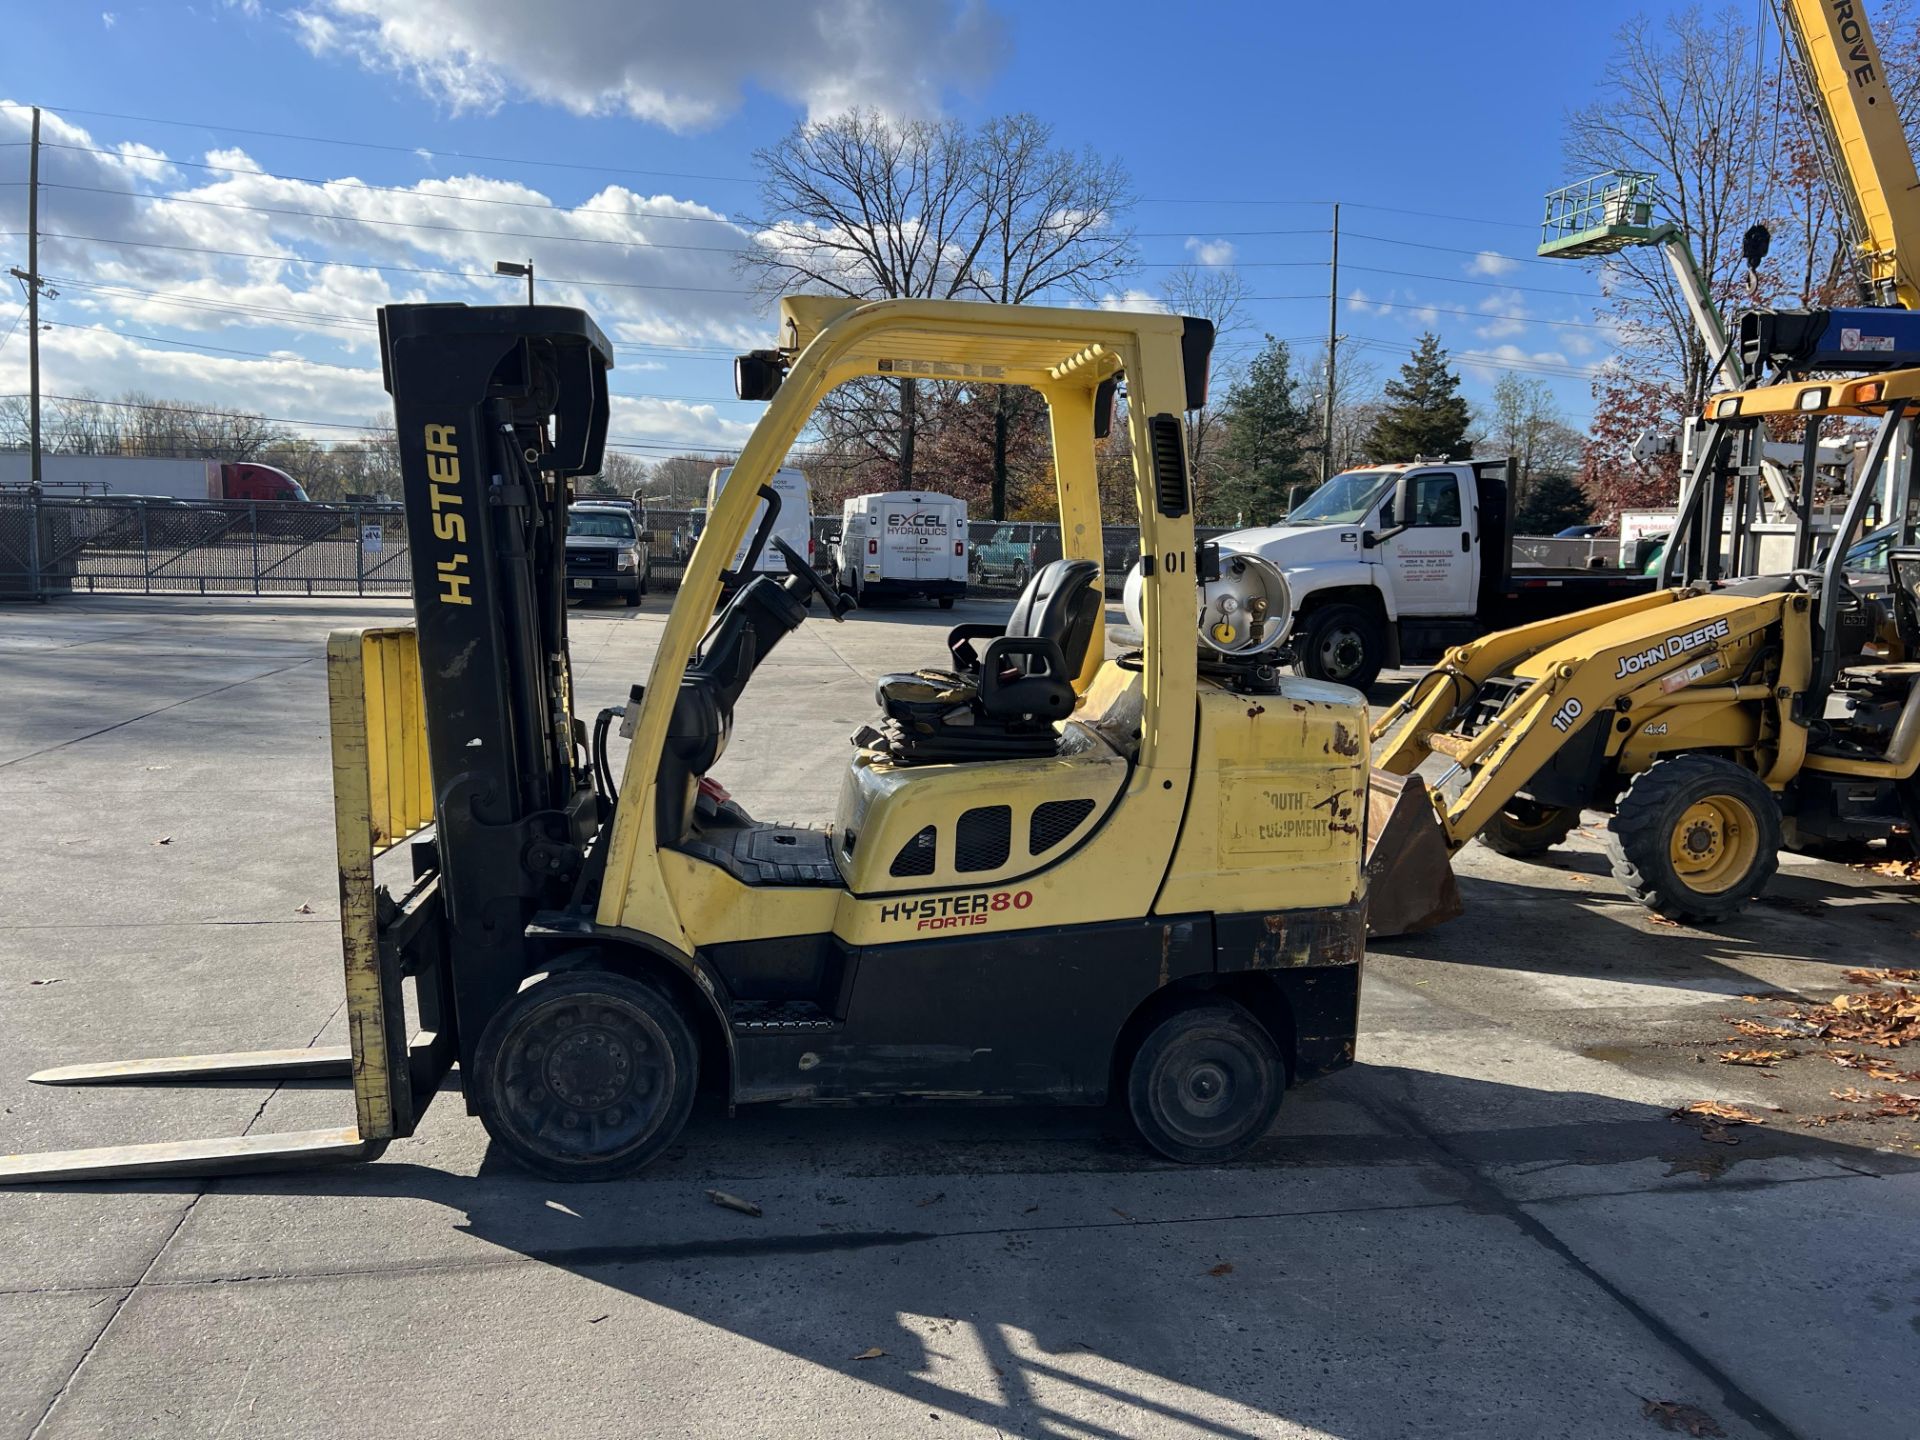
(797, 566)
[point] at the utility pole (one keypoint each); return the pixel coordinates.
(33, 300)
(1333, 342)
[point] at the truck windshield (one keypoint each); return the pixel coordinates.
(601, 524)
(1344, 500)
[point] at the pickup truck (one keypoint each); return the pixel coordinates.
(1394, 563)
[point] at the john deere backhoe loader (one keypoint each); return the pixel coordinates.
(1730, 710)
(1053, 876)
(1708, 717)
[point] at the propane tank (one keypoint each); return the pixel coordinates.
(1244, 614)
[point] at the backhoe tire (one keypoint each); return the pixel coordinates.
(1344, 644)
(1205, 1083)
(586, 1075)
(1695, 838)
(1525, 828)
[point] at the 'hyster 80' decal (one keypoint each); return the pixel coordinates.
(950, 912)
(1671, 647)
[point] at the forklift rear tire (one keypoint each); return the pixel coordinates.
(1695, 838)
(1206, 1083)
(1344, 644)
(1525, 828)
(586, 1075)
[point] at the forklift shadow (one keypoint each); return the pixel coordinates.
(1015, 1268)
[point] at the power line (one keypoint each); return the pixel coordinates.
(406, 190)
(401, 224)
(1467, 280)
(1453, 249)
(1468, 314)
(398, 269)
(421, 151)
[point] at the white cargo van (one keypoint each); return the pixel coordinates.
(901, 544)
(795, 524)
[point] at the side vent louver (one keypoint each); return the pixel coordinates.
(915, 857)
(1172, 493)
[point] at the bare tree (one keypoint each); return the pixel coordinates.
(869, 207)
(1356, 403)
(1217, 293)
(1054, 220)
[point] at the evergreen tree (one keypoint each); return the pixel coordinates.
(1553, 503)
(1261, 463)
(1424, 413)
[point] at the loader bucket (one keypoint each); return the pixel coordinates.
(1410, 884)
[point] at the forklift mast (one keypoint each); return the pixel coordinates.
(497, 408)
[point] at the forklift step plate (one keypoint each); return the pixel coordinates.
(241, 1155)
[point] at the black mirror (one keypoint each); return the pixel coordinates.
(757, 374)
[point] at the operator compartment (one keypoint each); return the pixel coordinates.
(909, 826)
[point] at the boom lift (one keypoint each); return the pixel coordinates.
(1053, 875)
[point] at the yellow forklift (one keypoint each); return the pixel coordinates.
(1053, 876)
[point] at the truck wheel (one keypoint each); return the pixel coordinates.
(587, 1075)
(633, 595)
(646, 578)
(1695, 838)
(1206, 1083)
(1020, 574)
(1344, 644)
(946, 602)
(1524, 828)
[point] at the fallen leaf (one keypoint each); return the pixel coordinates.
(1720, 1110)
(930, 1200)
(1121, 1213)
(1223, 1268)
(1882, 977)
(52, 980)
(303, 909)
(1683, 1419)
(1664, 923)
(1874, 1017)
(1030, 1209)
(1851, 1095)
(733, 1202)
(1761, 1059)
(164, 840)
(596, 1319)
(1897, 869)
(872, 1352)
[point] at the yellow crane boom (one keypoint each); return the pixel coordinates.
(1840, 72)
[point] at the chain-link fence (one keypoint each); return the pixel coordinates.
(51, 546)
(102, 543)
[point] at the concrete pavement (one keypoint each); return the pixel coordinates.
(1490, 1226)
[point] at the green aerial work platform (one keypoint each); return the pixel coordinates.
(1602, 215)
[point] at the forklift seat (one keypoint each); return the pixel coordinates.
(1003, 705)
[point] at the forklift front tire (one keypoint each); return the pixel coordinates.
(1695, 838)
(1205, 1083)
(586, 1075)
(1524, 828)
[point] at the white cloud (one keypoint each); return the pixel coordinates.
(654, 269)
(108, 19)
(1210, 252)
(1510, 315)
(1134, 300)
(676, 64)
(1492, 262)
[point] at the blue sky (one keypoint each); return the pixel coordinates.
(1438, 135)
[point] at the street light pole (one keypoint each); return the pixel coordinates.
(514, 267)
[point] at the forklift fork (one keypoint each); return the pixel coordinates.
(382, 796)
